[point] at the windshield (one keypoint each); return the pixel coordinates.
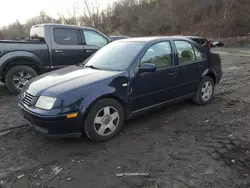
(115, 56)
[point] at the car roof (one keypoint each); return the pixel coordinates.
(152, 39)
(62, 25)
(196, 37)
(118, 36)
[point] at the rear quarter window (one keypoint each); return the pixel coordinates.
(197, 40)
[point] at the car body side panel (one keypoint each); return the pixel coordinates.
(151, 88)
(38, 56)
(109, 89)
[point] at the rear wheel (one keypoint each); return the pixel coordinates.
(18, 76)
(104, 120)
(205, 91)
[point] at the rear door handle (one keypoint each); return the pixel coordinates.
(58, 51)
(89, 51)
(201, 67)
(172, 73)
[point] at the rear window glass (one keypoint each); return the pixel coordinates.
(64, 36)
(202, 42)
(197, 40)
(37, 33)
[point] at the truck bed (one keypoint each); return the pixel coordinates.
(38, 49)
(22, 41)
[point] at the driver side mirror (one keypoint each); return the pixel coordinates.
(147, 67)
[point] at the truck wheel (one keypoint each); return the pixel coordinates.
(18, 76)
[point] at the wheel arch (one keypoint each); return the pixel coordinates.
(210, 73)
(14, 58)
(16, 62)
(109, 96)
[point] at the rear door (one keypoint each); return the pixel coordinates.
(92, 41)
(192, 62)
(66, 47)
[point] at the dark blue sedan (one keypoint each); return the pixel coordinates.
(121, 80)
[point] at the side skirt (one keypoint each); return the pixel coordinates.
(166, 103)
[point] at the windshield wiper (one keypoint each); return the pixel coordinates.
(92, 67)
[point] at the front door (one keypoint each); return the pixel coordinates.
(150, 89)
(66, 47)
(191, 64)
(93, 41)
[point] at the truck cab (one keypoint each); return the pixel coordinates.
(50, 47)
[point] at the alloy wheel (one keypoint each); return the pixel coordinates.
(21, 78)
(106, 121)
(206, 91)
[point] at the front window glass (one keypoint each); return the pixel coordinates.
(159, 54)
(95, 39)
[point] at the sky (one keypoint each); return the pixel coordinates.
(11, 10)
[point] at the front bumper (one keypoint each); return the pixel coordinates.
(56, 126)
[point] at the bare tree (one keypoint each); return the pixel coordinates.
(72, 18)
(151, 17)
(91, 14)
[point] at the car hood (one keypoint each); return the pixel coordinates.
(63, 80)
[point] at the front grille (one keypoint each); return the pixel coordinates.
(28, 99)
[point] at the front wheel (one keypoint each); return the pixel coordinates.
(205, 91)
(104, 120)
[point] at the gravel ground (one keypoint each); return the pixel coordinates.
(182, 146)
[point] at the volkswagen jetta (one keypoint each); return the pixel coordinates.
(121, 80)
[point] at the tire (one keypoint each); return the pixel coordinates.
(97, 114)
(9, 78)
(199, 97)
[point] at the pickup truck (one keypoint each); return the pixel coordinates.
(50, 47)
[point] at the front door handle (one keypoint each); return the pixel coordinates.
(58, 51)
(201, 66)
(89, 51)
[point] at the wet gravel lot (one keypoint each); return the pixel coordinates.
(179, 146)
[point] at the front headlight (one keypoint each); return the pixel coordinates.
(45, 103)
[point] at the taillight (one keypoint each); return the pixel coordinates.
(209, 45)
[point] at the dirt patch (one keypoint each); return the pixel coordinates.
(179, 146)
(9, 115)
(238, 158)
